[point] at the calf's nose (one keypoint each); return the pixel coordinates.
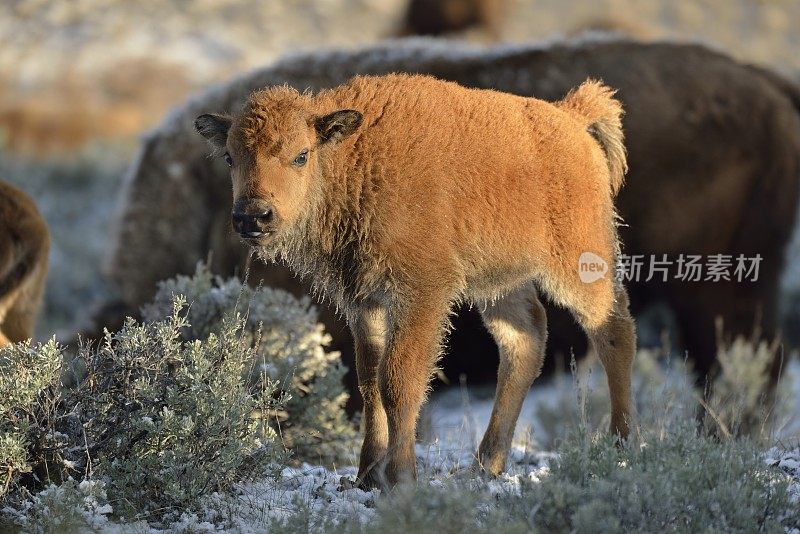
(252, 219)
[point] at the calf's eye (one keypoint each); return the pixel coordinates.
(228, 159)
(301, 158)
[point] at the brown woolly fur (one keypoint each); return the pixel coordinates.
(401, 195)
(24, 247)
(593, 101)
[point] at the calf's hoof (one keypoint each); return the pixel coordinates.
(489, 466)
(620, 430)
(400, 473)
(372, 479)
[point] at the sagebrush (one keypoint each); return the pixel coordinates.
(160, 420)
(167, 411)
(289, 344)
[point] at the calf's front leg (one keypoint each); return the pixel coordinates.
(404, 375)
(368, 324)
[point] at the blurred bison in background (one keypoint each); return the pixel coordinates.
(445, 17)
(24, 249)
(714, 154)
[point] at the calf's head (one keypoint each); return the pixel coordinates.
(273, 149)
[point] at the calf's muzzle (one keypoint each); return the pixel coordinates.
(253, 218)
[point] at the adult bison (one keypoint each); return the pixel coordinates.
(713, 149)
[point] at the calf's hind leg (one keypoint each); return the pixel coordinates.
(518, 324)
(615, 344)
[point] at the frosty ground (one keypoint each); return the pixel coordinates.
(312, 498)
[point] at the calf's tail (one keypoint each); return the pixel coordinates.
(595, 102)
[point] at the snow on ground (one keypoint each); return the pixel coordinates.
(462, 415)
(322, 491)
(454, 423)
(789, 463)
(330, 492)
(254, 505)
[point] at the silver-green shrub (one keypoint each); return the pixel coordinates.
(69, 507)
(290, 346)
(169, 420)
(158, 419)
(29, 388)
(662, 391)
(671, 479)
(743, 401)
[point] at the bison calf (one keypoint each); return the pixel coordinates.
(24, 247)
(402, 195)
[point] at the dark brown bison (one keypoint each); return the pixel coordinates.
(24, 249)
(445, 17)
(713, 149)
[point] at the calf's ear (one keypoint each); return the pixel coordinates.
(214, 128)
(337, 125)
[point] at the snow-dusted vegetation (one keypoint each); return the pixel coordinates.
(165, 412)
